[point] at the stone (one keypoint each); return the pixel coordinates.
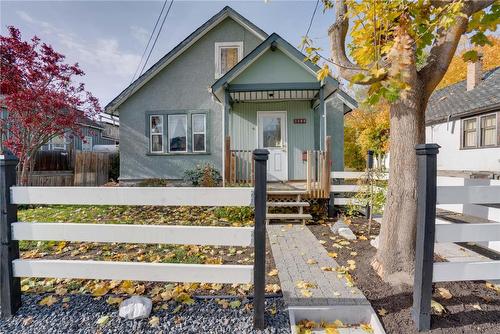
(343, 230)
(135, 307)
(374, 242)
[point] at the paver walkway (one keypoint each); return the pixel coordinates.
(292, 247)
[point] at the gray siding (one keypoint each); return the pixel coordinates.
(182, 85)
(97, 138)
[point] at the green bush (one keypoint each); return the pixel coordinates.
(203, 176)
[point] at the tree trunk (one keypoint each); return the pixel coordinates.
(396, 254)
(25, 169)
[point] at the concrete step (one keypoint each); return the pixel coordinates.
(288, 216)
(286, 204)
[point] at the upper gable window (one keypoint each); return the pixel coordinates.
(227, 54)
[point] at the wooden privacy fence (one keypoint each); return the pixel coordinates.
(11, 231)
(91, 168)
(431, 230)
(319, 165)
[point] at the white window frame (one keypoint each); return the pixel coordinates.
(224, 45)
(169, 132)
(162, 134)
(463, 132)
(199, 133)
(481, 130)
(89, 142)
(58, 147)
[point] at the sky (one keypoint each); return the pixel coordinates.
(107, 38)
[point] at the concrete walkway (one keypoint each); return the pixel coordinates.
(293, 246)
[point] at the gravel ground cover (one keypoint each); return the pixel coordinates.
(469, 308)
(83, 314)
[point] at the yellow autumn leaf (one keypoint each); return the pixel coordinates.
(312, 261)
(306, 293)
(114, 300)
(323, 73)
(102, 320)
(382, 312)
(273, 272)
(274, 288)
(100, 290)
(331, 330)
(437, 307)
(445, 293)
(127, 287)
(333, 255)
(362, 237)
(327, 268)
(154, 321)
(366, 327)
(48, 301)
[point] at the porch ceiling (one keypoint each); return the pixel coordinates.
(274, 95)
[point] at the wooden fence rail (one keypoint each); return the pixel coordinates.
(431, 230)
(11, 232)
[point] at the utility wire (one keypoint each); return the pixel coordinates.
(157, 35)
(149, 40)
(311, 21)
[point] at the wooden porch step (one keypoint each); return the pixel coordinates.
(286, 204)
(286, 192)
(288, 216)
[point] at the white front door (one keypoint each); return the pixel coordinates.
(273, 137)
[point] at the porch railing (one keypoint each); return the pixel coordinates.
(319, 165)
(241, 168)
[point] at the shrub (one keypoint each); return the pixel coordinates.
(203, 176)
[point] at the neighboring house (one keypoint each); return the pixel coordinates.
(464, 119)
(102, 132)
(228, 82)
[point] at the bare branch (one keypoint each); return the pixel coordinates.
(337, 34)
(446, 43)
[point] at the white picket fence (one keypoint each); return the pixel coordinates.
(161, 272)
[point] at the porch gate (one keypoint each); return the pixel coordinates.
(11, 231)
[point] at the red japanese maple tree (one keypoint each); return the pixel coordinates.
(40, 96)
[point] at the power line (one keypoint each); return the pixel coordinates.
(157, 35)
(311, 21)
(149, 40)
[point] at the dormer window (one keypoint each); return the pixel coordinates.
(227, 54)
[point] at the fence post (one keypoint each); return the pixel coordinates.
(10, 286)
(426, 220)
(369, 172)
(259, 270)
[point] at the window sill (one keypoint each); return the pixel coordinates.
(177, 153)
(478, 147)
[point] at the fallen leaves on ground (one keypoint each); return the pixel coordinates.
(48, 301)
(306, 293)
(477, 307)
(306, 326)
(445, 293)
(274, 288)
(366, 327)
(382, 312)
(273, 272)
(333, 255)
(494, 287)
(438, 308)
(312, 261)
(103, 320)
(154, 321)
(114, 300)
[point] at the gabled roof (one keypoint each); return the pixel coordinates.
(180, 48)
(273, 40)
(276, 40)
(455, 101)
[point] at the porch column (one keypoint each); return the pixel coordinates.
(322, 112)
(225, 137)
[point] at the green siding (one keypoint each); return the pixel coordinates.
(243, 130)
(274, 67)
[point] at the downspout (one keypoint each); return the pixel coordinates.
(323, 115)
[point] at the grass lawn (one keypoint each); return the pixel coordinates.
(158, 253)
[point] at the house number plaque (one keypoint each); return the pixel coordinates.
(299, 121)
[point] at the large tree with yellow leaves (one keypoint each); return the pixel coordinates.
(388, 39)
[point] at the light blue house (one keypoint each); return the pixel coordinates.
(225, 90)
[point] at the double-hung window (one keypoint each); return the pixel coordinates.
(469, 128)
(199, 129)
(156, 133)
(177, 133)
(227, 54)
(488, 130)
